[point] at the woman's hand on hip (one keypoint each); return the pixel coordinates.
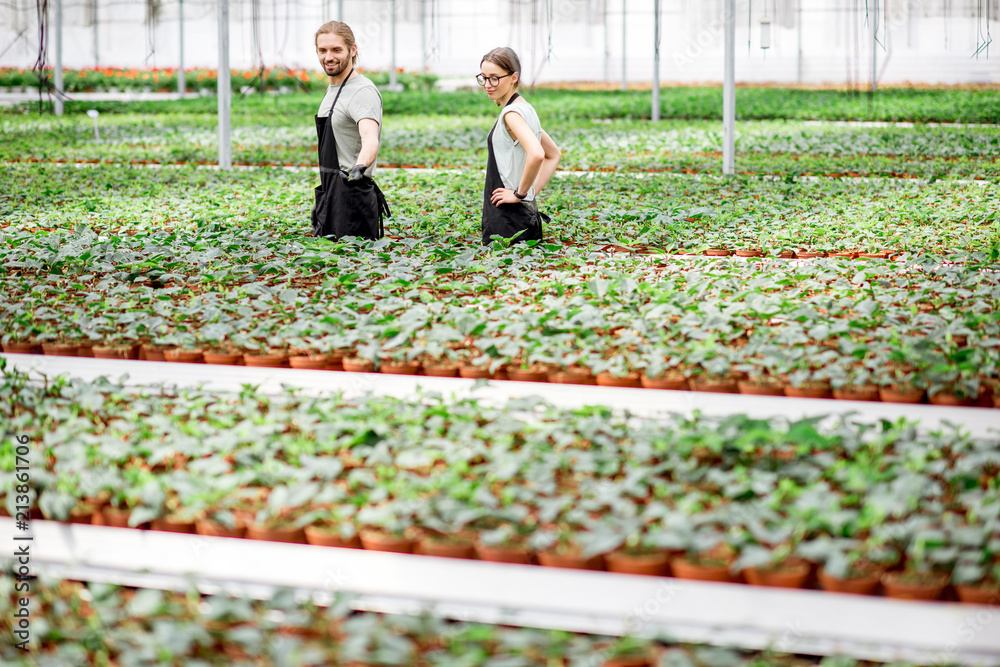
(504, 196)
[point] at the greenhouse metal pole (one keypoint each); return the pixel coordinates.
(181, 83)
(729, 93)
(656, 61)
(423, 31)
(58, 63)
(607, 46)
(874, 53)
(624, 79)
(392, 69)
(97, 60)
(224, 90)
(340, 10)
(799, 63)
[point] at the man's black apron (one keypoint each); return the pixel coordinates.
(344, 208)
(507, 220)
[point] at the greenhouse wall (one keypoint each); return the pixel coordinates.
(812, 41)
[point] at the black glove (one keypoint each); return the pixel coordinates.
(357, 173)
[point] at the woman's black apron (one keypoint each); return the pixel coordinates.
(342, 207)
(507, 220)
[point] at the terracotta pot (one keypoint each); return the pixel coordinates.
(444, 549)
(400, 367)
(996, 400)
(214, 529)
(667, 382)
(82, 517)
(441, 371)
(725, 386)
(266, 360)
(985, 398)
(289, 534)
(169, 526)
(645, 659)
(571, 560)
(989, 595)
(86, 350)
(757, 389)
(527, 375)
(950, 399)
(224, 358)
(898, 395)
(153, 352)
(929, 589)
(864, 585)
(22, 348)
(112, 516)
(504, 554)
(326, 538)
(718, 252)
(685, 569)
(180, 355)
(808, 392)
(356, 365)
(804, 254)
(474, 372)
(749, 253)
(102, 352)
(791, 574)
(786, 254)
(868, 392)
(61, 350)
(655, 564)
(308, 363)
(572, 377)
(609, 380)
(374, 540)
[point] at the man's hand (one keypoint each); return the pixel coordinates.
(357, 173)
(504, 196)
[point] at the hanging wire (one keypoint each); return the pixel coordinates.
(749, 23)
(255, 21)
(982, 41)
(435, 44)
(150, 34)
(41, 74)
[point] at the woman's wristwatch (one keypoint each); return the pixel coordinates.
(519, 195)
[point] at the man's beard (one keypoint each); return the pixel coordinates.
(338, 71)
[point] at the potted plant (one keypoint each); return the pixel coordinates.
(389, 526)
(927, 568)
(280, 520)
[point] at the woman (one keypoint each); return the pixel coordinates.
(522, 157)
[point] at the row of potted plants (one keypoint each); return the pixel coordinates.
(861, 506)
(98, 624)
(699, 324)
(661, 213)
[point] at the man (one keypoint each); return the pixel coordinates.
(349, 128)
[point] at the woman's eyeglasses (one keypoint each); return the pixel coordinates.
(493, 80)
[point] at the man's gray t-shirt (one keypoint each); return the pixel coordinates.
(359, 100)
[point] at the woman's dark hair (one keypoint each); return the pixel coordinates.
(504, 58)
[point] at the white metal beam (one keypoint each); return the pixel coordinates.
(979, 422)
(181, 81)
(729, 92)
(792, 621)
(224, 90)
(656, 61)
(58, 65)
